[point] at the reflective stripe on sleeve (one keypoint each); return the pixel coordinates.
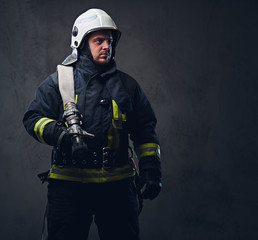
(91, 175)
(39, 128)
(148, 149)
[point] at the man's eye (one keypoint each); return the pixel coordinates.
(98, 41)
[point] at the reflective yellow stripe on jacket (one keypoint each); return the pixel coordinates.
(113, 138)
(91, 175)
(148, 149)
(117, 124)
(40, 126)
(118, 116)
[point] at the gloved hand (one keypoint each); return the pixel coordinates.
(62, 138)
(55, 134)
(151, 179)
(69, 143)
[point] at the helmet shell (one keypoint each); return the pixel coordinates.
(92, 20)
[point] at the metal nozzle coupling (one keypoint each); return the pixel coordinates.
(73, 119)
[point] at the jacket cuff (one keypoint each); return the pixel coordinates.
(149, 162)
(52, 132)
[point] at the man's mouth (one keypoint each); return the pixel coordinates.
(105, 55)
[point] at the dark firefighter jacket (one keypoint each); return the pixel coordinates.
(113, 107)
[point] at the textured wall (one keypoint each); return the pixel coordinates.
(197, 62)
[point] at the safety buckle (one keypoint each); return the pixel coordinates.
(107, 157)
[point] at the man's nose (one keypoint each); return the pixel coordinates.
(106, 44)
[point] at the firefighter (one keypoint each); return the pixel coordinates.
(92, 177)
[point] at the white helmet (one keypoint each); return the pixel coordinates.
(92, 20)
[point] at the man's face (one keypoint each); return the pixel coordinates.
(100, 43)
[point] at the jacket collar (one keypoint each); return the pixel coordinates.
(88, 70)
(86, 66)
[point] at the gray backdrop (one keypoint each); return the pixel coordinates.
(196, 61)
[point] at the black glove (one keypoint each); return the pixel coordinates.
(62, 138)
(55, 134)
(70, 144)
(151, 179)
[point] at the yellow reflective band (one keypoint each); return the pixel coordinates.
(147, 145)
(115, 110)
(39, 128)
(148, 149)
(92, 171)
(36, 127)
(117, 114)
(113, 137)
(113, 123)
(150, 153)
(91, 175)
(117, 124)
(123, 117)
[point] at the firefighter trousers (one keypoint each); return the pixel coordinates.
(72, 206)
